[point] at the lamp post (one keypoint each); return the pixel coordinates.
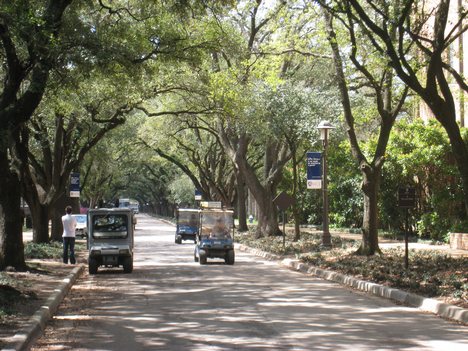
(324, 128)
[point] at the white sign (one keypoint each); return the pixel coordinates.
(314, 184)
(211, 204)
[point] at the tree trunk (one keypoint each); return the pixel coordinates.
(267, 214)
(371, 185)
(263, 193)
(241, 200)
(267, 218)
(56, 213)
(40, 219)
(58, 210)
(459, 149)
(56, 229)
(11, 219)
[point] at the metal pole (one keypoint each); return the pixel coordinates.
(406, 240)
(284, 230)
(326, 239)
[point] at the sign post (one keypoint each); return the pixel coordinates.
(283, 201)
(406, 200)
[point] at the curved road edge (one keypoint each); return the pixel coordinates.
(425, 304)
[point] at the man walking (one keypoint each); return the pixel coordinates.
(69, 225)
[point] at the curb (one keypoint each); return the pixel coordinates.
(425, 304)
(36, 324)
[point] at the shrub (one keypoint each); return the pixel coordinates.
(460, 227)
(50, 250)
(433, 227)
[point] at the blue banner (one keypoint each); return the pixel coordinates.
(314, 170)
(74, 185)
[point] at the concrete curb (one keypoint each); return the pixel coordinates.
(425, 304)
(36, 325)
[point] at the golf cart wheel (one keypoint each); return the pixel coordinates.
(230, 257)
(128, 265)
(178, 239)
(202, 254)
(92, 266)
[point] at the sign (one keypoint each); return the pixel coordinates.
(283, 201)
(198, 195)
(211, 204)
(74, 185)
(314, 170)
(406, 197)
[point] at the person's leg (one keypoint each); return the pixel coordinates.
(65, 250)
(72, 251)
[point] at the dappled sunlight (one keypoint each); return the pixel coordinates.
(171, 302)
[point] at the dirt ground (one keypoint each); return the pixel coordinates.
(76, 307)
(30, 291)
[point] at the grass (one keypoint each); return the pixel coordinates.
(431, 273)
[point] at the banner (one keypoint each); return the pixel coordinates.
(75, 185)
(314, 170)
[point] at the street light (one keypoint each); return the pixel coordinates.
(324, 128)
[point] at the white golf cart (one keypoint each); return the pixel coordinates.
(110, 238)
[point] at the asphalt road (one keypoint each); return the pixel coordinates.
(170, 302)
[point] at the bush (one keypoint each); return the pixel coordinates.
(50, 250)
(461, 227)
(432, 226)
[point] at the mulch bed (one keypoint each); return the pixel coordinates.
(22, 293)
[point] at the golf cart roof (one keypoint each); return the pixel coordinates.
(215, 210)
(111, 210)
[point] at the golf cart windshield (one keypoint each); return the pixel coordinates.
(188, 218)
(216, 224)
(110, 226)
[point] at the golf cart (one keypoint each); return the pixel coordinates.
(187, 224)
(215, 237)
(110, 238)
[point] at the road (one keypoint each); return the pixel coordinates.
(170, 302)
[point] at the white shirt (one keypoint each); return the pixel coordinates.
(69, 225)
